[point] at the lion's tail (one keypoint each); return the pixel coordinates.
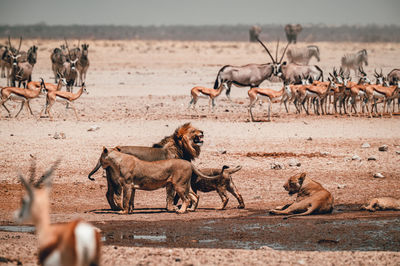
(94, 170)
(197, 172)
(234, 170)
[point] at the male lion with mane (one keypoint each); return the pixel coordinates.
(184, 143)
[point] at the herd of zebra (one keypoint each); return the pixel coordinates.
(303, 84)
(67, 66)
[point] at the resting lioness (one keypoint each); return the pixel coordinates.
(133, 173)
(381, 204)
(311, 197)
(221, 184)
(184, 143)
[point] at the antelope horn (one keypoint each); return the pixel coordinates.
(266, 49)
(381, 73)
(66, 44)
(9, 41)
(284, 51)
(20, 42)
(276, 53)
(32, 170)
(26, 185)
(48, 173)
(79, 42)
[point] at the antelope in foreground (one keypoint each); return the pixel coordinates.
(197, 92)
(20, 94)
(73, 243)
(268, 95)
(64, 97)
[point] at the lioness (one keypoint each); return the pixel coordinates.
(311, 197)
(184, 143)
(133, 173)
(381, 204)
(221, 184)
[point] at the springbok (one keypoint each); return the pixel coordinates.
(267, 95)
(251, 75)
(354, 61)
(62, 96)
(318, 93)
(197, 92)
(73, 243)
(386, 94)
(20, 94)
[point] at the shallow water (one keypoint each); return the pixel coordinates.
(361, 234)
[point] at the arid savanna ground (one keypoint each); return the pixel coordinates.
(139, 93)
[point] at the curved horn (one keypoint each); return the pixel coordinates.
(32, 170)
(284, 51)
(26, 185)
(48, 173)
(266, 49)
(276, 52)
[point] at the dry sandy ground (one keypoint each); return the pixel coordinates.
(139, 92)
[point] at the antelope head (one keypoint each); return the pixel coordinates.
(277, 65)
(36, 199)
(62, 78)
(364, 77)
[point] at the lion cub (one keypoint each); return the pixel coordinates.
(311, 197)
(381, 204)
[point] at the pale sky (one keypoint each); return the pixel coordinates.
(199, 12)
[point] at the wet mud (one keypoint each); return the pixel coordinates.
(340, 231)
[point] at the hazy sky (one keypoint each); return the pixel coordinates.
(199, 12)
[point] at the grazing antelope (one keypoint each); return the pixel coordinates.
(268, 95)
(196, 92)
(62, 96)
(354, 61)
(83, 63)
(73, 243)
(302, 55)
(251, 75)
(20, 94)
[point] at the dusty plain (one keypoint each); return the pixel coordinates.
(139, 93)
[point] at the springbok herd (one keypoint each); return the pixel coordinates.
(303, 84)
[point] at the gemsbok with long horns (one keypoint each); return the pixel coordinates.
(72, 243)
(251, 75)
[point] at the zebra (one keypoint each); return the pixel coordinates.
(354, 61)
(303, 55)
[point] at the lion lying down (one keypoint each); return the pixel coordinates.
(184, 143)
(133, 173)
(311, 197)
(381, 204)
(221, 184)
